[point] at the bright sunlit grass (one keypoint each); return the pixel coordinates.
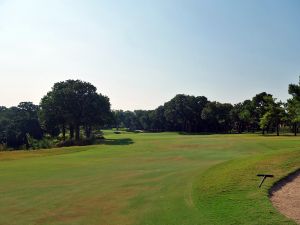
(147, 178)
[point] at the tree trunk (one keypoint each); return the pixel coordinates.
(27, 141)
(295, 129)
(277, 129)
(263, 131)
(71, 131)
(64, 132)
(240, 128)
(189, 127)
(184, 126)
(77, 132)
(88, 131)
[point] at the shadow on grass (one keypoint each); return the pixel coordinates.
(254, 133)
(199, 133)
(121, 141)
(280, 135)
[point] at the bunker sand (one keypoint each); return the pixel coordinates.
(285, 196)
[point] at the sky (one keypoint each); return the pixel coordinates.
(142, 53)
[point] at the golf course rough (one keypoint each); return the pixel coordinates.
(161, 178)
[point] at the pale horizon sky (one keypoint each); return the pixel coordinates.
(142, 53)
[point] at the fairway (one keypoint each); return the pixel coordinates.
(147, 179)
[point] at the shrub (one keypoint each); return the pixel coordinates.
(3, 147)
(81, 142)
(44, 143)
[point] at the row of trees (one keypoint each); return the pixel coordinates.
(18, 123)
(71, 106)
(73, 109)
(197, 114)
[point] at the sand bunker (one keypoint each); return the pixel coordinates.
(285, 196)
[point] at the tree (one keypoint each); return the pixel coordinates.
(30, 122)
(77, 104)
(243, 116)
(18, 123)
(177, 113)
(53, 115)
(183, 112)
(159, 122)
(118, 118)
(260, 103)
(3, 124)
(293, 110)
(95, 111)
(274, 114)
(218, 116)
(293, 106)
(143, 119)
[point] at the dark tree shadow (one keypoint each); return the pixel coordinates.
(195, 133)
(121, 141)
(280, 135)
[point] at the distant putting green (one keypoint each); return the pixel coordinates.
(147, 179)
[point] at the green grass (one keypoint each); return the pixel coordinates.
(163, 178)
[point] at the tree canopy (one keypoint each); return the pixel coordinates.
(74, 104)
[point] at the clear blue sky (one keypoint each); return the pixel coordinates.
(141, 53)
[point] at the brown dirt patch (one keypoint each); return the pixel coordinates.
(285, 196)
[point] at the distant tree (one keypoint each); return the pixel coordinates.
(293, 106)
(130, 120)
(294, 90)
(53, 115)
(218, 117)
(265, 120)
(183, 113)
(18, 123)
(293, 110)
(199, 103)
(242, 116)
(158, 118)
(3, 124)
(77, 104)
(95, 112)
(260, 104)
(178, 112)
(30, 122)
(118, 118)
(274, 114)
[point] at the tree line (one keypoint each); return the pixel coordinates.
(68, 113)
(186, 113)
(74, 111)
